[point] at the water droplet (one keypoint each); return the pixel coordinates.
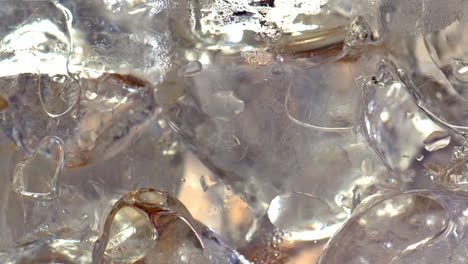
(191, 69)
(420, 157)
(409, 115)
(59, 94)
(437, 140)
(36, 176)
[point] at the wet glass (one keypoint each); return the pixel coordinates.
(237, 131)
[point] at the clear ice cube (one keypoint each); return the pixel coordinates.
(401, 227)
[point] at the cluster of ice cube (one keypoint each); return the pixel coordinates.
(235, 131)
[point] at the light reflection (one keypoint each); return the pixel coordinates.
(299, 27)
(283, 16)
(312, 235)
(236, 32)
(384, 116)
(286, 11)
(26, 42)
(424, 125)
(69, 248)
(391, 209)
